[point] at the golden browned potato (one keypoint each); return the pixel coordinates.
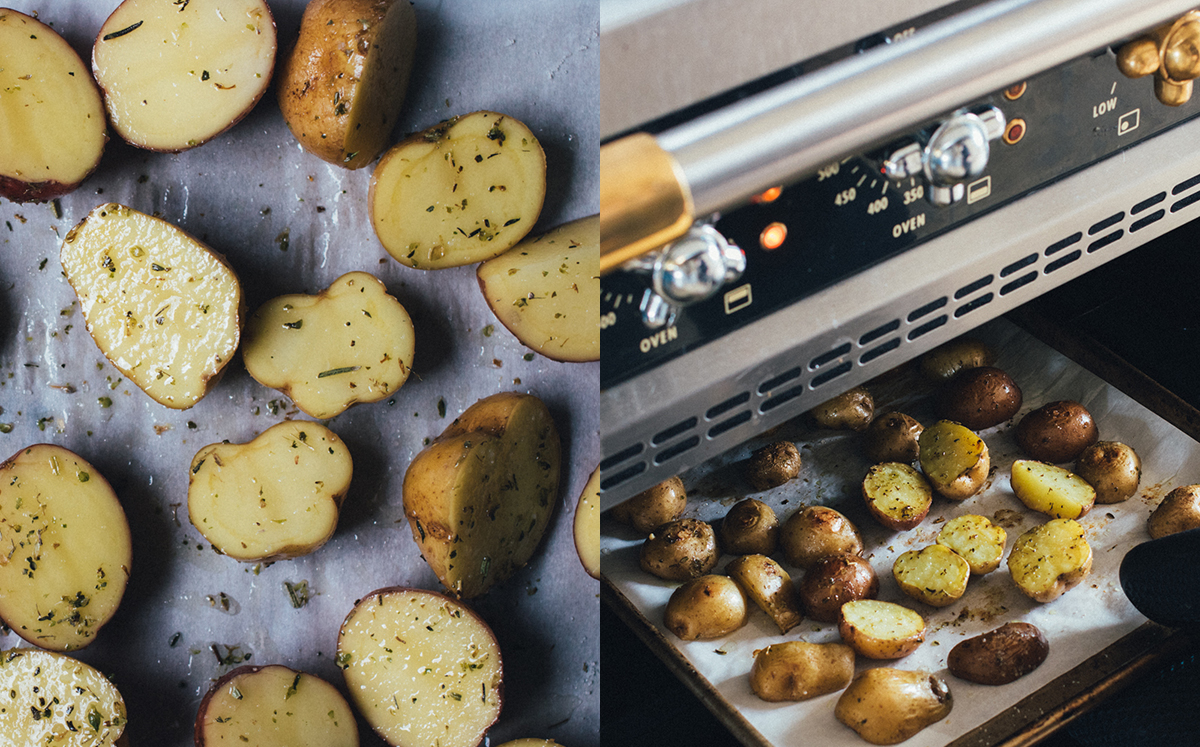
(850, 410)
(773, 465)
(770, 587)
(342, 85)
(1056, 432)
(816, 531)
(705, 608)
(1112, 468)
(750, 527)
(897, 495)
(652, 507)
(999, 656)
(1051, 559)
(954, 459)
(945, 361)
(680, 550)
(979, 398)
(1178, 512)
(52, 699)
(798, 670)
(888, 706)
(1052, 490)
(881, 630)
(935, 575)
(892, 438)
(977, 540)
(587, 525)
(834, 580)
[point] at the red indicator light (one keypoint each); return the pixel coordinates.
(772, 236)
(771, 195)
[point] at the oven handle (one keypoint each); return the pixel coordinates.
(653, 187)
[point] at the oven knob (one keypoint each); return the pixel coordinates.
(956, 152)
(1172, 52)
(688, 270)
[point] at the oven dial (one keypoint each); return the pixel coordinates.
(1172, 53)
(687, 270)
(955, 153)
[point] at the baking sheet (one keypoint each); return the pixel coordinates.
(1078, 625)
(243, 193)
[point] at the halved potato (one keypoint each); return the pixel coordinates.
(889, 706)
(422, 668)
(1052, 490)
(350, 343)
(881, 630)
(897, 495)
(935, 575)
(52, 128)
(177, 74)
(480, 496)
(1051, 559)
(162, 306)
(458, 193)
(546, 291)
(341, 87)
(65, 550)
(52, 699)
(954, 459)
(977, 540)
(273, 498)
(587, 525)
(770, 587)
(274, 706)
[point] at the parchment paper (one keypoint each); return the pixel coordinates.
(1079, 624)
(242, 193)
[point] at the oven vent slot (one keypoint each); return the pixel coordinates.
(927, 327)
(781, 398)
(1185, 185)
(927, 309)
(717, 411)
(1108, 222)
(623, 476)
(1020, 264)
(1063, 261)
(1017, 284)
(874, 353)
(1148, 203)
(673, 431)
(970, 306)
(1058, 246)
(621, 456)
(1191, 199)
(967, 290)
(1104, 241)
(875, 334)
(830, 375)
(727, 425)
(830, 356)
(1141, 223)
(783, 378)
(670, 453)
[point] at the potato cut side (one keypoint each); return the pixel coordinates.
(351, 343)
(769, 586)
(897, 495)
(343, 84)
(1049, 560)
(881, 630)
(274, 706)
(546, 291)
(464, 191)
(1052, 490)
(52, 699)
(275, 497)
(480, 496)
(423, 669)
(977, 540)
(163, 307)
(65, 550)
(177, 74)
(949, 450)
(52, 127)
(587, 525)
(935, 575)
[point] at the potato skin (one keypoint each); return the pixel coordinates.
(773, 465)
(816, 531)
(1057, 432)
(769, 586)
(750, 528)
(939, 442)
(1178, 512)
(892, 438)
(680, 550)
(949, 359)
(705, 608)
(897, 495)
(653, 507)
(850, 410)
(979, 398)
(999, 656)
(1112, 468)
(798, 670)
(888, 706)
(834, 580)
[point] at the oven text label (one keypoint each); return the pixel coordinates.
(1104, 107)
(661, 337)
(912, 224)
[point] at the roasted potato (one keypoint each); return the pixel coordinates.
(850, 410)
(680, 550)
(897, 495)
(750, 527)
(1178, 512)
(816, 531)
(979, 398)
(977, 540)
(935, 575)
(1051, 490)
(1056, 432)
(587, 525)
(342, 85)
(881, 630)
(175, 76)
(705, 608)
(954, 460)
(888, 706)
(773, 465)
(999, 656)
(797, 670)
(52, 699)
(892, 438)
(834, 580)
(652, 507)
(770, 587)
(947, 360)
(1112, 468)
(1051, 559)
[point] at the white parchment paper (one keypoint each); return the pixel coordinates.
(243, 193)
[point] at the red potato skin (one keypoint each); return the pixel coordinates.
(1057, 432)
(198, 731)
(999, 656)
(834, 580)
(19, 191)
(979, 398)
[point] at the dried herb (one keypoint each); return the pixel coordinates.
(122, 32)
(298, 593)
(336, 371)
(294, 325)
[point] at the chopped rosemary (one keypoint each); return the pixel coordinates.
(294, 325)
(122, 32)
(336, 371)
(298, 593)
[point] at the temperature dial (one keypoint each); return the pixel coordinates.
(955, 153)
(688, 270)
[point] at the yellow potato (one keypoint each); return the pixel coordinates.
(653, 507)
(897, 495)
(1052, 490)
(1112, 468)
(797, 670)
(881, 630)
(705, 608)
(954, 459)
(888, 706)
(1051, 559)
(52, 699)
(587, 525)
(770, 588)
(1178, 512)
(977, 540)
(935, 575)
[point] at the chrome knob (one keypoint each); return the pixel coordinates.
(688, 270)
(957, 151)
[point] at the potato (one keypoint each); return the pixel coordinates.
(587, 525)
(773, 465)
(1112, 468)
(750, 527)
(1178, 512)
(1051, 559)
(979, 398)
(177, 74)
(935, 575)
(949, 359)
(1056, 432)
(546, 291)
(1051, 490)
(816, 531)
(892, 438)
(52, 699)
(163, 307)
(274, 706)
(435, 651)
(888, 706)
(999, 656)
(976, 540)
(834, 580)
(680, 550)
(351, 343)
(461, 192)
(342, 85)
(881, 630)
(850, 410)
(273, 498)
(954, 459)
(705, 608)
(770, 587)
(653, 507)
(481, 495)
(65, 549)
(52, 128)
(797, 670)
(897, 495)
